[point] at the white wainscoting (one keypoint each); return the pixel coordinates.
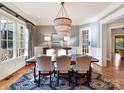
(96, 52)
(78, 49)
(10, 66)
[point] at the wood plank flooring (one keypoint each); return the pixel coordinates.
(5, 83)
(114, 72)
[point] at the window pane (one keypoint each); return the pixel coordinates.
(10, 53)
(10, 44)
(10, 35)
(3, 54)
(3, 22)
(3, 44)
(22, 44)
(21, 52)
(3, 34)
(22, 29)
(21, 37)
(22, 33)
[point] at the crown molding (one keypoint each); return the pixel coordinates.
(20, 12)
(113, 7)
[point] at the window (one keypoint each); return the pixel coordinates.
(12, 38)
(6, 38)
(21, 41)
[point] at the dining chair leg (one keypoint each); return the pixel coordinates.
(50, 79)
(90, 73)
(39, 79)
(54, 72)
(76, 78)
(69, 77)
(88, 78)
(58, 78)
(34, 74)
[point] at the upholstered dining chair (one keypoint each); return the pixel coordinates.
(61, 52)
(63, 66)
(82, 67)
(44, 67)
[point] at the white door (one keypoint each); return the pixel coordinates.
(85, 40)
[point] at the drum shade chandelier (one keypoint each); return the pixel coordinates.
(62, 21)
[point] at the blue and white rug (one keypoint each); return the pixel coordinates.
(26, 82)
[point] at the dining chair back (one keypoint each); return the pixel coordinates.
(63, 66)
(83, 64)
(44, 63)
(44, 67)
(63, 63)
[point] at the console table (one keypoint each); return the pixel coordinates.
(66, 48)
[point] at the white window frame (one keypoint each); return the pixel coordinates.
(6, 56)
(15, 34)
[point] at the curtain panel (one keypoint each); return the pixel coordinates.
(31, 38)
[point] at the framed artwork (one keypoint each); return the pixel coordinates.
(56, 41)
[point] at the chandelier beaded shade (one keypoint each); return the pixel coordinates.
(62, 21)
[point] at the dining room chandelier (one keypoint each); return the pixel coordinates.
(62, 21)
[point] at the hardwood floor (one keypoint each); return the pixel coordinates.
(114, 72)
(5, 83)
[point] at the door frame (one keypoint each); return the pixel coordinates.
(112, 47)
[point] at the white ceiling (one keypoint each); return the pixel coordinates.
(43, 13)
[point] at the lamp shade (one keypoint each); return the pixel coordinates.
(62, 34)
(62, 24)
(47, 38)
(66, 38)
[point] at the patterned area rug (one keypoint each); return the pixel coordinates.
(26, 82)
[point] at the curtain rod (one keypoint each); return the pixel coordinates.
(3, 7)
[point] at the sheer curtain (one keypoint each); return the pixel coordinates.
(31, 38)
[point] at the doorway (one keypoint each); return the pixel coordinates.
(85, 40)
(116, 43)
(119, 42)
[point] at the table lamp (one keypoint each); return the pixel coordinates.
(47, 39)
(66, 39)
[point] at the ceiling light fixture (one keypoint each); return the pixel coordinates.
(62, 21)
